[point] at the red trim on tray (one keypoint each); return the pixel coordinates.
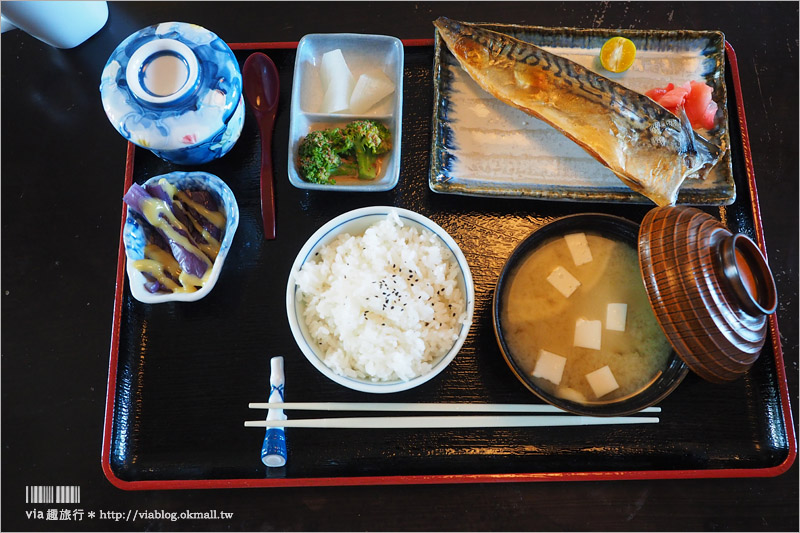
(417, 42)
(439, 479)
(293, 44)
(176, 484)
(264, 46)
(112, 364)
(780, 366)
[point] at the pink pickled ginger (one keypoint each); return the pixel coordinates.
(693, 96)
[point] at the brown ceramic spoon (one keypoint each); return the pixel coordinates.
(261, 88)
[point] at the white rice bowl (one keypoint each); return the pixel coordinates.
(380, 299)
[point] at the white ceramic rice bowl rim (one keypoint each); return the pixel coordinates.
(356, 222)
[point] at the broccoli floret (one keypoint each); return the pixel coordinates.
(341, 143)
(351, 151)
(370, 139)
(320, 156)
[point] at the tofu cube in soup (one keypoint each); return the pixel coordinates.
(588, 334)
(579, 248)
(602, 381)
(563, 281)
(549, 366)
(615, 316)
(568, 393)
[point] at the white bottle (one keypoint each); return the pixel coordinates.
(60, 24)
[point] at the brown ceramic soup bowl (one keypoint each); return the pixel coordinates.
(694, 289)
(646, 383)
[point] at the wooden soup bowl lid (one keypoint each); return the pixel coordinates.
(711, 290)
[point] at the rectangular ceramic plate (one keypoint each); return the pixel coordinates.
(362, 53)
(484, 147)
(181, 374)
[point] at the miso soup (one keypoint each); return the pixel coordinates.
(539, 316)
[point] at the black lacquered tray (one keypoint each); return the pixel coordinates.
(182, 374)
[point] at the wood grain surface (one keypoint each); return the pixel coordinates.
(702, 316)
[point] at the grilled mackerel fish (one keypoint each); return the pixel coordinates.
(647, 147)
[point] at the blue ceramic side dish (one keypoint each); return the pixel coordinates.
(135, 239)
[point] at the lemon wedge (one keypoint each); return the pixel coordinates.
(617, 54)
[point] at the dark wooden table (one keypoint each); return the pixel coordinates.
(62, 176)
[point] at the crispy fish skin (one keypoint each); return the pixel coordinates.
(647, 147)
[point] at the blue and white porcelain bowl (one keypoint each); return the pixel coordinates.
(175, 89)
(133, 235)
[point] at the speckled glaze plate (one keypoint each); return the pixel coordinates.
(483, 147)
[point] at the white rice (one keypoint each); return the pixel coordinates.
(384, 306)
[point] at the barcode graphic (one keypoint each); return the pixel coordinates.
(52, 494)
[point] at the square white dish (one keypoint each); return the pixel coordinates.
(362, 53)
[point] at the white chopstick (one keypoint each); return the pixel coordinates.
(418, 422)
(421, 407)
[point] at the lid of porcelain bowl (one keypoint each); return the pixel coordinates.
(171, 85)
(711, 290)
